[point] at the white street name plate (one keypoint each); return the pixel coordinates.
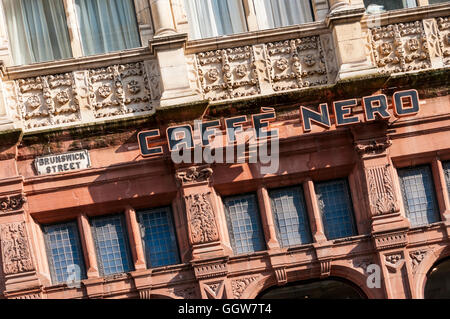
(60, 163)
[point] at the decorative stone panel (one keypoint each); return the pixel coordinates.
(15, 250)
(228, 73)
(202, 222)
(390, 240)
(11, 203)
(401, 47)
(296, 63)
(238, 286)
(47, 100)
(444, 37)
(210, 270)
(381, 190)
(119, 89)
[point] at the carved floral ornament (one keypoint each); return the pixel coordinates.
(202, 220)
(15, 249)
(11, 203)
(105, 90)
(372, 147)
(381, 190)
(194, 175)
(62, 97)
(134, 87)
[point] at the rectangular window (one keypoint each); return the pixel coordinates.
(113, 255)
(437, 1)
(158, 237)
(446, 167)
(107, 25)
(377, 6)
(64, 253)
(37, 30)
(419, 197)
(244, 225)
(280, 13)
(291, 217)
(212, 18)
(336, 208)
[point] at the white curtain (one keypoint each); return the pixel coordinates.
(107, 25)
(210, 18)
(280, 13)
(37, 30)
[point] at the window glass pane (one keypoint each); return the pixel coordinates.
(211, 18)
(107, 25)
(111, 245)
(418, 195)
(374, 6)
(437, 1)
(446, 166)
(63, 250)
(37, 30)
(336, 208)
(281, 13)
(291, 221)
(158, 237)
(243, 224)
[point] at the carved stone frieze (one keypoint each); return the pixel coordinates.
(238, 286)
(202, 222)
(390, 240)
(228, 73)
(444, 38)
(401, 47)
(381, 190)
(210, 270)
(297, 63)
(11, 203)
(47, 100)
(119, 90)
(193, 175)
(15, 250)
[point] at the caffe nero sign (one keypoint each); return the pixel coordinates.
(60, 163)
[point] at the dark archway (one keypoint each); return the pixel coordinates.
(438, 281)
(330, 288)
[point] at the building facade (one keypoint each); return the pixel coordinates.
(96, 96)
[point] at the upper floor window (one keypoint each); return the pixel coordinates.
(37, 30)
(437, 1)
(244, 225)
(335, 206)
(113, 254)
(63, 251)
(418, 195)
(377, 6)
(446, 166)
(158, 237)
(291, 217)
(107, 25)
(281, 13)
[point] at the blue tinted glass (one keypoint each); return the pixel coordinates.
(291, 221)
(64, 250)
(243, 224)
(336, 209)
(111, 243)
(446, 166)
(418, 195)
(158, 237)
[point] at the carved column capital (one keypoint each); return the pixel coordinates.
(12, 203)
(194, 174)
(372, 147)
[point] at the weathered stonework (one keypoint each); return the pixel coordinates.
(381, 190)
(15, 250)
(202, 222)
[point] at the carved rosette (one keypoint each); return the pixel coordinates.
(202, 222)
(194, 175)
(15, 250)
(11, 203)
(381, 190)
(297, 63)
(401, 47)
(120, 89)
(227, 74)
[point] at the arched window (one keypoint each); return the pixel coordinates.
(332, 288)
(438, 281)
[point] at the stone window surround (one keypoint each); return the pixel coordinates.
(439, 181)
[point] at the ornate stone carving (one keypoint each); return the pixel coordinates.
(394, 262)
(417, 257)
(391, 240)
(444, 38)
(238, 286)
(210, 270)
(373, 146)
(227, 74)
(297, 63)
(15, 250)
(185, 292)
(194, 174)
(401, 47)
(202, 222)
(47, 100)
(107, 95)
(215, 290)
(381, 190)
(11, 203)
(154, 79)
(329, 51)
(362, 263)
